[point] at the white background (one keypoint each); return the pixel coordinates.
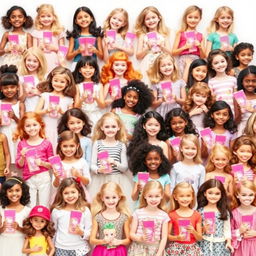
(171, 10)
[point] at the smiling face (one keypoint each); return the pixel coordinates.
(199, 73)
(14, 193)
(70, 195)
(110, 199)
(249, 83)
(193, 19)
(32, 63)
(10, 91)
(178, 125)
(245, 57)
(166, 67)
(75, 124)
(153, 161)
(17, 18)
(153, 197)
(87, 72)
(117, 21)
(32, 127)
(219, 64)
(151, 21)
(110, 127)
(221, 116)
(199, 99)
(220, 160)
(131, 98)
(59, 83)
(246, 196)
(46, 19)
(244, 153)
(69, 148)
(213, 195)
(188, 149)
(225, 20)
(83, 19)
(119, 67)
(152, 127)
(38, 223)
(184, 197)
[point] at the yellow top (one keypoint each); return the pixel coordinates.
(39, 241)
(2, 158)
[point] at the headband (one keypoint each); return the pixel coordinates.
(13, 178)
(132, 88)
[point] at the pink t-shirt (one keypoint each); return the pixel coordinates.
(43, 152)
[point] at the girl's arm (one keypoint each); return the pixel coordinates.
(122, 166)
(166, 47)
(29, 40)
(197, 232)
(94, 166)
(141, 50)
(175, 50)
(93, 240)
(40, 107)
(6, 154)
(99, 51)
(173, 237)
(25, 248)
(136, 191)
(22, 109)
(201, 48)
(165, 149)
(100, 100)
(208, 47)
(133, 229)
(163, 240)
(227, 234)
(167, 189)
(21, 152)
(126, 240)
(3, 43)
(182, 98)
(71, 54)
(156, 102)
(51, 247)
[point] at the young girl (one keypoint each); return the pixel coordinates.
(149, 241)
(212, 199)
(246, 81)
(220, 119)
(198, 102)
(196, 71)
(84, 25)
(150, 20)
(110, 214)
(189, 168)
(243, 152)
(189, 43)
(87, 71)
(109, 137)
(14, 195)
(221, 84)
(164, 69)
(17, 19)
(31, 132)
(136, 98)
(243, 232)
(183, 242)
(47, 21)
(77, 121)
(5, 158)
(149, 158)
(39, 232)
(218, 166)
(241, 57)
(74, 165)
(59, 85)
(250, 128)
(118, 21)
(33, 64)
(120, 67)
(220, 31)
(71, 236)
(9, 84)
(149, 128)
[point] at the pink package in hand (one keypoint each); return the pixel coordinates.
(183, 225)
(111, 35)
(175, 143)
(47, 37)
(209, 218)
(240, 98)
(149, 226)
(238, 170)
(129, 39)
(220, 178)
(152, 38)
(9, 216)
(221, 139)
(143, 178)
(54, 103)
(191, 38)
(57, 166)
(224, 40)
(167, 90)
(31, 160)
(87, 43)
(88, 89)
(206, 134)
(14, 39)
(63, 50)
(115, 88)
(5, 109)
(103, 158)
(248, 220)
(29, 85)
(74, 220)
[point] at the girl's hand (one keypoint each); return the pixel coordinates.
(191, 229)
(204, 108)
(243, 228)
(112, 162)
(75, 172)
(38, 162)
(181, 237)
(107, 239)
(139, 187)
(92, 49)
(206, 228)
(78, 231)
(12, 115)
(250, 233)
(229, 246)
(196, 111)
(197, 43)
(36, 248)
(6, 171)
(24, 151)
(56, 174)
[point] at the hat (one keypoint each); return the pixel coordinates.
(40, 211)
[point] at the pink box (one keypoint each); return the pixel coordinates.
(47, 37)
(87, 43)
(183, 225)
(149, 226)
(221, 139)
(220, 178)
(9, 216)
(143, 177)
(74, 220)
(191, 38)
(209, 218)
(29, 85)
(54, 102)
(31, 160)
(63, 50)
(167, 90)
(103, 158)
(115, 88)
(5, 109)
(14, 39)
(56, 163)
(88, 88)
(175, 143)
(248, 219)
(238, 170)
(206, 134)
(111, 35)
(152, 38)
(240, 98)
(224, 40)
(129, 39)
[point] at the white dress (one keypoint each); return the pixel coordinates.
(11, 243)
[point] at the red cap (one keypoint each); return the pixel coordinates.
(40, 211)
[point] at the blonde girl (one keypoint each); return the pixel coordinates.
(47, 21)
(164, 69)
(244, 232)
(184, 242)
(149, 240)
(218, 167)
(110, 225)
(189, 168)
(110, 136)
(189, 43)
(71, 239)
(198, 102)
(151, 20)
(60, 86)
(118, 21)
(220, 31)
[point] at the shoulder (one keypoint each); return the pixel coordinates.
(196, 215)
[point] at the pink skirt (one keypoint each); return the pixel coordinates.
(104, 251)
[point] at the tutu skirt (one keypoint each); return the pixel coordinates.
(101, 250)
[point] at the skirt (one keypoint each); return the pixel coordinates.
(101, 250)
(178, 249)
(77, 252)
(141, 249)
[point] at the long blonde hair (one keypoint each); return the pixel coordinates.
(190, 9)
(56, 27)
(214, 25)
(38, 53)
(98, 134)
(248, 130)
(99, 206)
(140, 27)
(220, 149)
